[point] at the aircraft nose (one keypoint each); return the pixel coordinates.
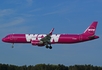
(3, 39)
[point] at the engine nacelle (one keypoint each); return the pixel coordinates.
(37, 42)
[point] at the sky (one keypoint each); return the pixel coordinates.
(40, 16)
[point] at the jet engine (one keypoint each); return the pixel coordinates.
(37, 42)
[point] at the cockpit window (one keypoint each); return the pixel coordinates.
(7, 36)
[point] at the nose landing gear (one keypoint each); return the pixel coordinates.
(12, 45)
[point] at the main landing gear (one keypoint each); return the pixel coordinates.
(50, 47)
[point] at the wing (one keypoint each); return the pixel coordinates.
(46, 39)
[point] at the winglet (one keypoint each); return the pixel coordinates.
(51, 31)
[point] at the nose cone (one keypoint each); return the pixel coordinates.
(3, 39)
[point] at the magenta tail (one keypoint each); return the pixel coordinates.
(91, 29)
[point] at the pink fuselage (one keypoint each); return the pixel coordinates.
(55, 38)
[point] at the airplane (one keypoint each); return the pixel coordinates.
(50, 38)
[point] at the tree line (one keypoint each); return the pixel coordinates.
(49, 67)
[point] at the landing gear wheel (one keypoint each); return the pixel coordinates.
(47, 46)
(50, 47)
(12, 45)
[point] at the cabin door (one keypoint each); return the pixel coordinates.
(80, 38)
(11, 38)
